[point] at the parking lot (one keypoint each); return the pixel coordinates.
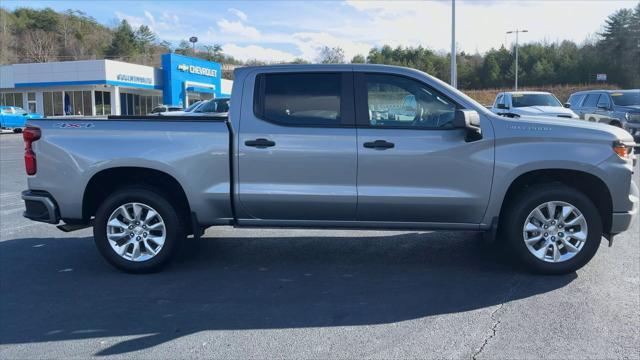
(245, 293)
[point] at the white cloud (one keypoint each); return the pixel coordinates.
(166, 22)
(241, 15)
(481, 25)
(255, 52)
(237, 28)
(308, 44)
(134, 21)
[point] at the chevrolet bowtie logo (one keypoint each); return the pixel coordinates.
(183, 67)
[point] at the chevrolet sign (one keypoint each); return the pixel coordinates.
(198, 70)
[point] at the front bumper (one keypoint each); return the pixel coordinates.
(40, 206)
(621, 221)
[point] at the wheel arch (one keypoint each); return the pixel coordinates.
(104, 182)
(589, 184)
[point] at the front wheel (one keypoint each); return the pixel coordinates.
(137, 230)
(552, 229)
(17, 130)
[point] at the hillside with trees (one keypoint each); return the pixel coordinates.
(30, 35)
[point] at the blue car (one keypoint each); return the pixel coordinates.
(15, 118)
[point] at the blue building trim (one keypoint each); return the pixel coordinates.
(88, 82)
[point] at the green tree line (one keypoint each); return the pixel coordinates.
(32, 35)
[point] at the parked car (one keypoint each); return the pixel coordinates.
(186, 111)
(530, 103)
(164, 108)
(619, 108)
(215, 107)
(14, 118)
(301, 149)
(212, 107)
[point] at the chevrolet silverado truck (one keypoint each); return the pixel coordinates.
(300, 148)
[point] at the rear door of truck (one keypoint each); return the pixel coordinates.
(297, 157)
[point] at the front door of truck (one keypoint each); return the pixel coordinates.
(417, 167)
(297, 148)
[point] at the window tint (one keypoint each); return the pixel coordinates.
(395, 101)
(604, 100)
(626, 98)
(576, 99)
(525, 100)
(307, 99)
(591, 100)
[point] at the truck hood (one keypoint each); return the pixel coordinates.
(543, 110)
(606, 131)
(630, 108)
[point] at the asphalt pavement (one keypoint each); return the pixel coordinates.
(256, 293)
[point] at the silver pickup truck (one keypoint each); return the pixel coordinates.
(301, 148)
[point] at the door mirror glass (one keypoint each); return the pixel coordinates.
(503, 106)
(567, 105)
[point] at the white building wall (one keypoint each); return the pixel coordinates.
(6, 77)
(225, 86)
(86, 70)
(115, 68)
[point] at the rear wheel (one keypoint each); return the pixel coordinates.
(137, 230)
(552, 229)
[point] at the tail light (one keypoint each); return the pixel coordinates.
(30, 134)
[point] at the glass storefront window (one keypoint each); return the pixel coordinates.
(78, 103)
(11, 99)
(31, 102)
(52, 101)
(103, 102)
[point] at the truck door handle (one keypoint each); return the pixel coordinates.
(379, 144)
(260, 143)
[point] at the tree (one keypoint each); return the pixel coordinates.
(358, 59)
(334, 55)
(39, 46)
(124, 44)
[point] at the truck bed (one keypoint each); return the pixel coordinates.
(192, 150)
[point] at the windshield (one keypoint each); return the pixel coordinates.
(524, 100)
(626, 98)
(193, 106)
(212, 106)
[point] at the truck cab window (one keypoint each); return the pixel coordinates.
(300, 99)
(395, 101)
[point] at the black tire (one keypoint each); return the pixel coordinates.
(517, 212)
(17, 130)
(174, 228)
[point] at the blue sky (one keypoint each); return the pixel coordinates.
(283, 30)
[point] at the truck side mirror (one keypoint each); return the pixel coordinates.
(603, 107)
(567, 105)
(503, 106)
(470, 121)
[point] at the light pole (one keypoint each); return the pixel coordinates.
(454, 73)
(516, 31)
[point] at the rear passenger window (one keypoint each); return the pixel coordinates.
(307, 99)
(591, 100)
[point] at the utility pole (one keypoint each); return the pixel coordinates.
(454, 72)
(516, 31)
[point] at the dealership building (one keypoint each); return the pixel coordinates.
(107, 87)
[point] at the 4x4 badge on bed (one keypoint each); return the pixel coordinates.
(65, 125)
